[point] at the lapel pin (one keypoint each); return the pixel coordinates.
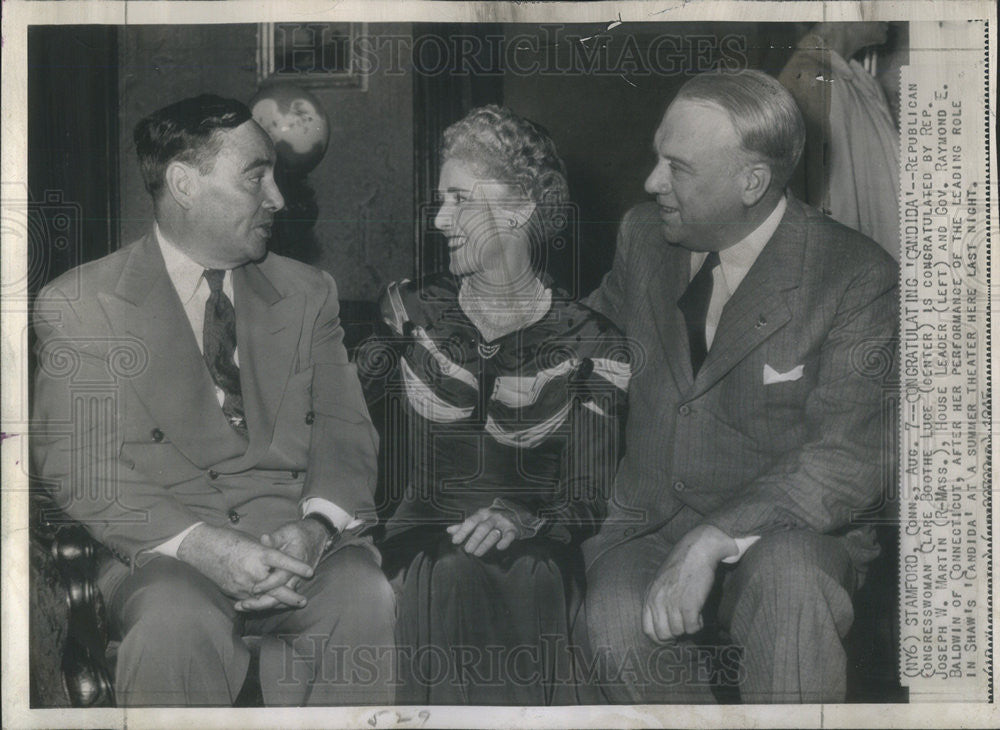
(761, 322)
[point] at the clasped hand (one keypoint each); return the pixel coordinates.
(261, 575)
(487, 528)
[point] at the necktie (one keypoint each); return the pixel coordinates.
(219, 345)
(694, 304)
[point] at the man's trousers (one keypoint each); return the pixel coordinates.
(183, 642)
(786, 606)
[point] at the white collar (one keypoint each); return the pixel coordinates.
(736, 260)
(185, 273)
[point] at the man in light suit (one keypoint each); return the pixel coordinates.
(200, 417)
(755, 430)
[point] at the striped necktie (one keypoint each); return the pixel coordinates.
(219, 345)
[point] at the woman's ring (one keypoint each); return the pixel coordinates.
(497, 529)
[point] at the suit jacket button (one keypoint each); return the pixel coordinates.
(310, 417)
(233, 516)
(679, 486)
(684, 410)
(157, 435)
(295, 474)
(629, 531)
(213, 474)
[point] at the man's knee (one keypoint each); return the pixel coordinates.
(354, 588)
(175, 637)
(786, 573)
(171, 602)
(179, 641)
(788, 606)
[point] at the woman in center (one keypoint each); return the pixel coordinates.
(512, 397)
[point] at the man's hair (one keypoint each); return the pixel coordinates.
(187, 131)
(507, 147)
(764, 114)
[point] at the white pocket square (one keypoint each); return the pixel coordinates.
(772, 376)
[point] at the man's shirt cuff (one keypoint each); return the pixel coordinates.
(169, 548)
(341, 519)
(742, 545)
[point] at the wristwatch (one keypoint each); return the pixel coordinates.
(332, 533)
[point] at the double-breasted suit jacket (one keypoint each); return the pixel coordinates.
(785, 424)
(131, 439)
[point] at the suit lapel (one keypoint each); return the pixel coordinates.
(175, 385)
(759, 306)
(668, 283)
(268, 327)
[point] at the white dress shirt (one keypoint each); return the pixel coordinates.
(734, 264)
(187, 277)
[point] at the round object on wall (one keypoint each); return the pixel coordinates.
(295, 121)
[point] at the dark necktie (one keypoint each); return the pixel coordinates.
(219, 343)
(694, 304)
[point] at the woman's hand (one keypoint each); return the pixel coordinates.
(494, 526)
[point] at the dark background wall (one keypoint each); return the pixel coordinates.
(73, 185)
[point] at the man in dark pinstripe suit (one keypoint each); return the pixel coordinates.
(766, 334)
